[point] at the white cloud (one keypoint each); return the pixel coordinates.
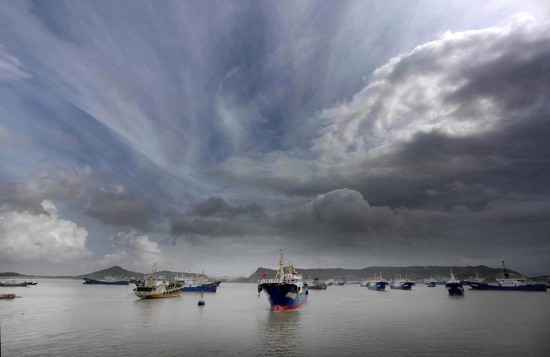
(422, 91)
(45, 237)
(134, 251)
(11, 68)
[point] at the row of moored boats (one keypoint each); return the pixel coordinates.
(154, 286)
(288, 290)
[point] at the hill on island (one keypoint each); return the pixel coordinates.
(416, 273)
(114, 271)
(118, 272)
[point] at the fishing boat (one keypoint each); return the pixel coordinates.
(475, 279)
(287, 290)
(454, 286)
(8, 296)
(376, 283)
(199, 284)
(206, 287)
(508, 284)
(108, 280)
(402, 284)
(13, 283)
(153, 288)
(317, 285)
(431, 283)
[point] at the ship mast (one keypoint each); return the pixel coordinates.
(504, 271)
(281, 272)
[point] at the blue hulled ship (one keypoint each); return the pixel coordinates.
(106, 281)
(402, 284)
(287, 290)
(206, 287)
(454, 286)
(378, 284)
(508, 284)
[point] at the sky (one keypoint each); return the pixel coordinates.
(208, 136)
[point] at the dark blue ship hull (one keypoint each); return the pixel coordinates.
(405, 286)
(284, 296)
(455, 288)
(378, 286)
(105, 282)
(527, 287)
(207, 288)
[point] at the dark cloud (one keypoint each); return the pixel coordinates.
(94, 194)
(216, 206)
(64, 185)
(121, 210)
(214, 217)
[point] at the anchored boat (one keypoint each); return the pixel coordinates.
(287, 290)
(508, 284)
(13, 283)
(378, 284)
(108, 280)
(317, 285)
(402, 284)
(199, 285)
(454, 286)
(8, 296)
(153, 288)
(431, 283)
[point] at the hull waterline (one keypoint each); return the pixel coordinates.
(284, 297)
(527, 287)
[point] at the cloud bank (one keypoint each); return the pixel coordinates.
(45, 237)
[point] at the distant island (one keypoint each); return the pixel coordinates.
(417, 273)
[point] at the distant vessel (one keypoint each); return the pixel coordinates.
(378, 284)
(108, 280)
(338, 281)
(454, 286)
(13, 283)
(402, 284)
(287, 290)
(153, 288)
(475, 279)
(508, 284)
(432, 283)
(317, 285)
(8, 296)
(198, 285)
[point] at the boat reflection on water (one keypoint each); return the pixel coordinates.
(280, 334)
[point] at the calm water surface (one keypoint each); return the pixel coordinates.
(66, 318)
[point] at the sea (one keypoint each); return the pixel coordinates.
(63, 317)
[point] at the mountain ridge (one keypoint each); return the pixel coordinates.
(417, 272)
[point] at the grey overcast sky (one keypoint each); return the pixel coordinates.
(208, 135)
